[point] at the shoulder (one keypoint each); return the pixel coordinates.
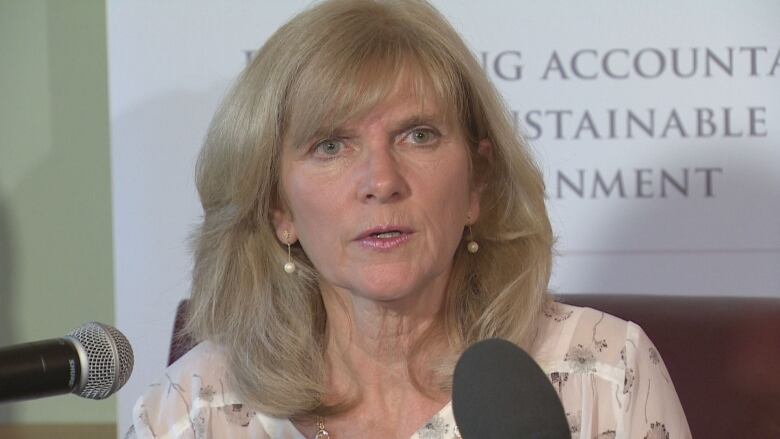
(582, 337)
(193, 398)
(603, 368)
(579, 340)
(198, 376)
(206, 357)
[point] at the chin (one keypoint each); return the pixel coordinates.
(389, 287)
(389, 282)
(383, 292)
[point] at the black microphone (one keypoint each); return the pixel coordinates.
(499, 391)
(93, 361)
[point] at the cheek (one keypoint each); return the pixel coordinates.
(305, 206)
(447, 199)
(451, 189)
(314, 210)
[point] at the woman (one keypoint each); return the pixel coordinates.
(369, 212)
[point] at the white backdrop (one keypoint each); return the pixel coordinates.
(657, 126)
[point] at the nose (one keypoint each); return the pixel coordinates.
(382, 179)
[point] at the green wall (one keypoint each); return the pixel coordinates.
(55, 185)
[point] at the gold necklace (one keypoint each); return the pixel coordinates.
(321, 432)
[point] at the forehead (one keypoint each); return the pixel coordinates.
(404, 103)
(319, 108)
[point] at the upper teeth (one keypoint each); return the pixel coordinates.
(388, 234)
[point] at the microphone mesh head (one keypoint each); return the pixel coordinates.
(109, 359)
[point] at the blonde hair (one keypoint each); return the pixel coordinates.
(326, 66)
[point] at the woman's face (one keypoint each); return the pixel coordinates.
(380, 205)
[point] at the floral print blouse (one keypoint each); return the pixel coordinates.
(609, 376)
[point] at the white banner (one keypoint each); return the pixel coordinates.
(657, 126)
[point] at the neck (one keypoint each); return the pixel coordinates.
(381, 330)
(370, 348)
(370, 342)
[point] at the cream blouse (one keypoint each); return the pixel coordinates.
(609, 376)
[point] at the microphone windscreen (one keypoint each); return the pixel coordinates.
(500, 392)
(106, 356)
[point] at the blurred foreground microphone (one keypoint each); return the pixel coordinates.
(499, 391)
(93, 361)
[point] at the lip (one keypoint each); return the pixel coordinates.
(367, 238)
(368, 233)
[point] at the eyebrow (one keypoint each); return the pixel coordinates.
(415, 120)
(397, 128)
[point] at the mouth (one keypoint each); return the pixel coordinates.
(385, 233)
(384, 238)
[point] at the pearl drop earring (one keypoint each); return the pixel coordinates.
(472, 245)
(289, 267)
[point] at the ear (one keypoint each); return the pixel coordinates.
(283, 225)
(485, 149)
(485, 152)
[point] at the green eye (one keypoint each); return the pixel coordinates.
(329, 147)
(422, 136)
